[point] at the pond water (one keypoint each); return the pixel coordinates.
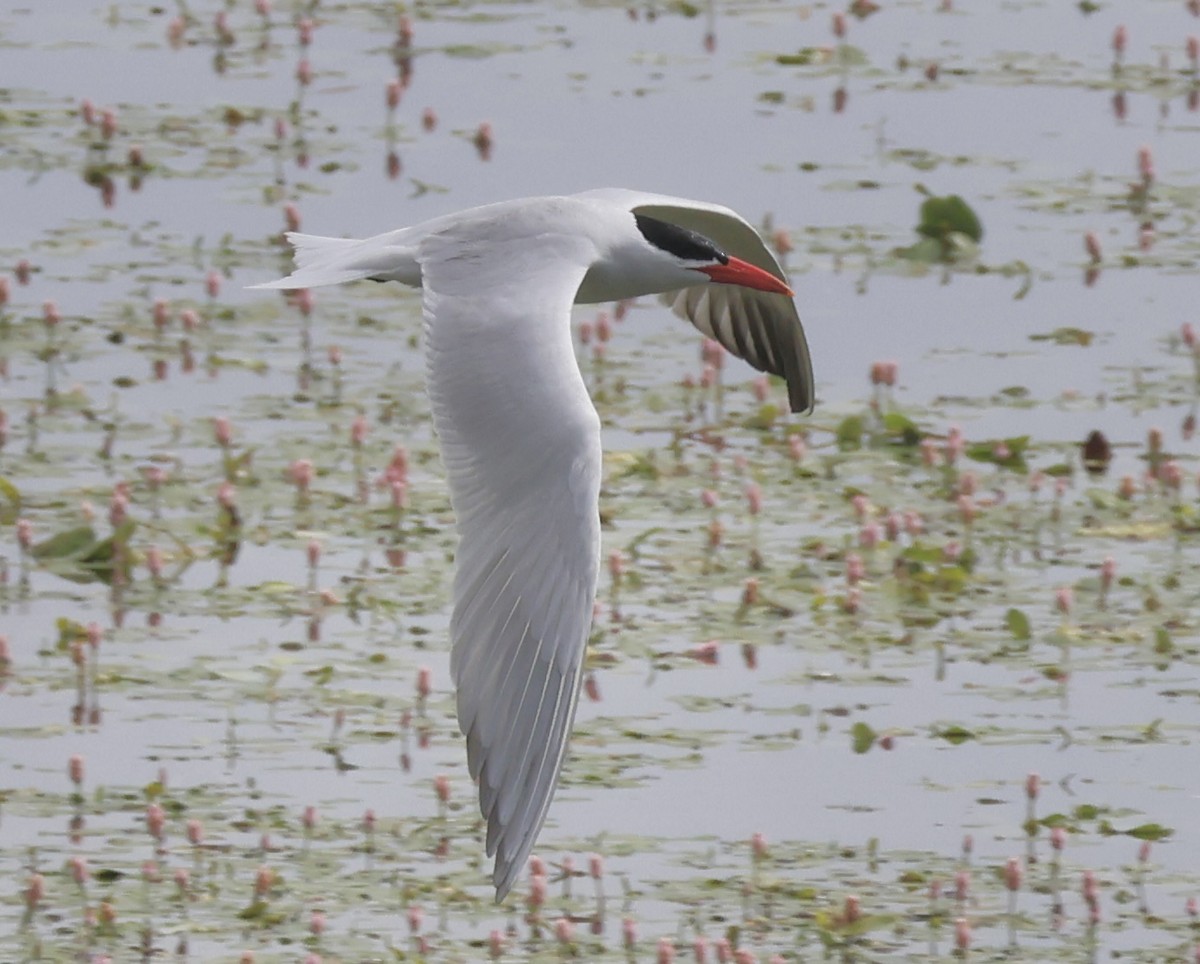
(865, 730)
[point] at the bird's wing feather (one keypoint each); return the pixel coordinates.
(521, 444)
(761, 327)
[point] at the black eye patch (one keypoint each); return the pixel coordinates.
(678, 241)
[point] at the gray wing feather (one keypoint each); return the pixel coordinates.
(521, 444)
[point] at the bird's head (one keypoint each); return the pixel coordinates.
(646, 255)
(693, 254)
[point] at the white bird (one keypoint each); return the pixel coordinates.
(520, 438)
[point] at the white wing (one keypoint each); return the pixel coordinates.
(758, 326)
(521, 444)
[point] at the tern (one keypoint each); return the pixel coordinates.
(520, 438)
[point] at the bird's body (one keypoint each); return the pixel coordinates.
(521, 440)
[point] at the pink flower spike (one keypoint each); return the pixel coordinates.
(750, 592)
(212, 283)
(1120, 40)
(301, 471)
(35, 891)
(50, 314)
(754, 498)
(1091, 243)
(962, 935)
(1108, 573)
(666, 951)
(1012, 874)
(483, 140)
(1146, 165)
(75, 769)
(156, 819)
(161, 313)
(1064, 598)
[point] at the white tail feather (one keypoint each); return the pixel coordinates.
(334, 261)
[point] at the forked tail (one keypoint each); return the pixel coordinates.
(334, 261)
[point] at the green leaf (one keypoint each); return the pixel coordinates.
(901, 429)
(803, 57)
(850, 432)
(955, 734)
(1150, 831)
(1018, 624)
(1162, 641)
(10, 492)
(862, 737)
(943, 216)
(101, 554)
(1067, 335)
(64, 545)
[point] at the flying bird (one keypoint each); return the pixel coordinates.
(520, 438)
